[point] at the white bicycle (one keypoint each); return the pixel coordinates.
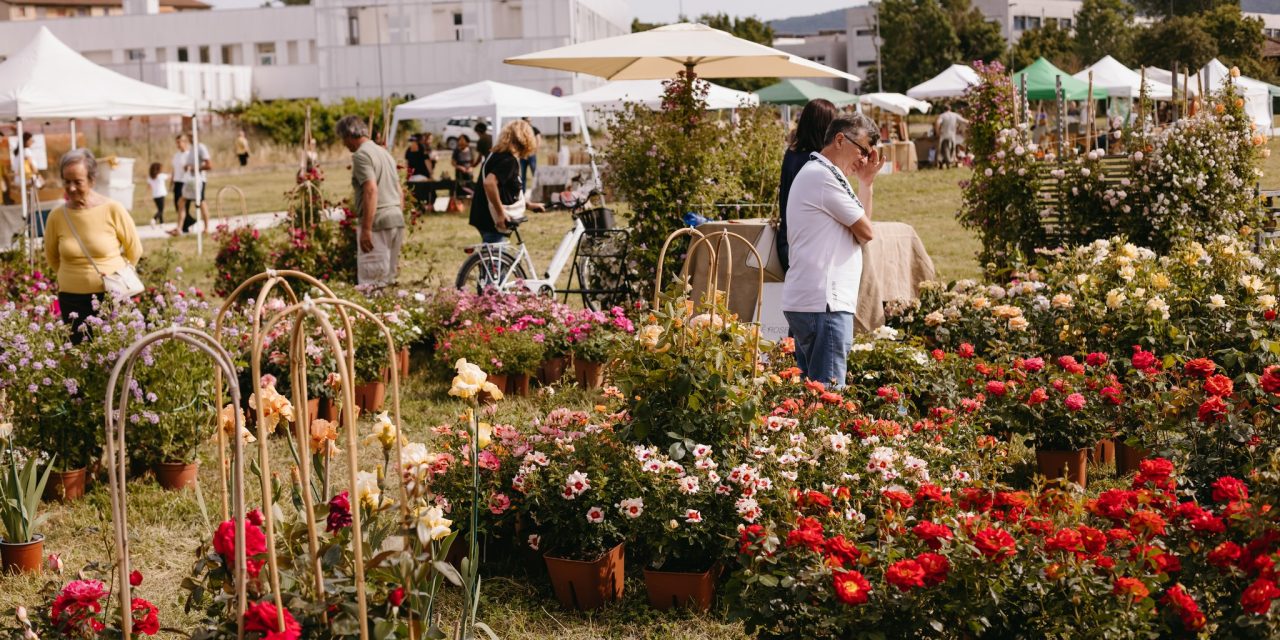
(594, 248)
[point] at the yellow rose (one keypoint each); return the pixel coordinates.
(650, 335)
(1160, 282)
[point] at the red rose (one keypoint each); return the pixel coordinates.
(810, 499)
(135, 578)
(889, 394)
(808, 535)
(396, 597)
(932, 533)
(995, 544)
(965, 350)
(996, 387)
(1038, 396)
(938, 354)
(1229, 489)
(900, 498)
(1271, 379)
(1096, 359)
(1143, 360)
(146, 617)
(260, 617)
(1074, 402)
(224, 543)
(839, 552)
(932, 493)
(1257, 597)
(1094, 541)
(74, 611)
(1167, 563)
(976, 499)
(254, 517)
(1185, 606)
(1212, 410)
(1113, 395)
(1224, 555)
(1132, 587)
(935, 568)
(751, 535)
(1218, 385)
(905, 574)
(339, 513)
(1067, 540)
(1030, 364)
(1148, 523)
(1199, 367)
(1208, 523)
(1269, 315)
(851, 587)
(1154, 471)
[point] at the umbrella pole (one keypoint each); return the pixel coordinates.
(20, 158)
(73, 134)
(1088, 113)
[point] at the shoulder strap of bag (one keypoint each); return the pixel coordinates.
(67, 217)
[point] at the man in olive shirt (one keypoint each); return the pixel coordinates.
(377, 202)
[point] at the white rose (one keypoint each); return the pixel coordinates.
(1216, 301)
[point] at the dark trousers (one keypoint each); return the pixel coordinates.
(159, 209)
(244, 158)
(177, 199)
(75, 309)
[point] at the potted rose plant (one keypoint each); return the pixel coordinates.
(21, 487)
(1068, 405)
(591, 338)
(174, 416)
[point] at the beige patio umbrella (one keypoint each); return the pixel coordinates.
(661, 53)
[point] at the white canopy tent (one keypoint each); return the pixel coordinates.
(951, 83)
(496, 101)
(1122, 82)
(1256, 94)
(893, 103)
(615, 95)
(46, 79)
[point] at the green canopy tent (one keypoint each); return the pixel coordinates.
(800, 92)
(1041, 77)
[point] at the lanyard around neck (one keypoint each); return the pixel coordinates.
(835, 171)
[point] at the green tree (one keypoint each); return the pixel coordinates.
(1180, 39)
(1105, 27)
(1172, 8)
(919, 41)
(1047, 41)
(979, 38)
(1239, 39)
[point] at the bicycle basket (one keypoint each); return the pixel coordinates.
(598, 218)
(603, 243)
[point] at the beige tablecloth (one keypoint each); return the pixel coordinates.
(893, 266)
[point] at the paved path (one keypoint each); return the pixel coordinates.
(257, 220)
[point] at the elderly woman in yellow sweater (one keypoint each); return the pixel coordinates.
(104, 228)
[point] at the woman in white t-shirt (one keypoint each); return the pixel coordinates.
(158, 181)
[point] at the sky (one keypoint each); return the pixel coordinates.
(668, 10)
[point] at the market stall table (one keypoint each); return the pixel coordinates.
(893, 266)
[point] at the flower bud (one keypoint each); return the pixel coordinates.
(22, 616)
(54, 563)
(28, 634)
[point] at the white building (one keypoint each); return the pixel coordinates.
(333, 48)
(826, 47)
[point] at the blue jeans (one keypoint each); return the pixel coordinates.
(823, 341)
(526, 165)
(492, 237)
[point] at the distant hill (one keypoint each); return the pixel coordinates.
(808, 25)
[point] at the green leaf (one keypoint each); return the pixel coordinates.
(445, 569)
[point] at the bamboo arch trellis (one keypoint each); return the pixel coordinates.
(116, 460)
(297, 361)
(244, 204)
(312, 199)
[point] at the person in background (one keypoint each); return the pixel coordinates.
(948, 129)
(193, 182)
(829, 224)
(377, 201)
(177, 163)
(105, 229)
(28, 155)
(157, 180)
(500, 182)
(529, 166)
(415, 157)
(242, 148)
(464, 164)
(484, 143)
(806, 139)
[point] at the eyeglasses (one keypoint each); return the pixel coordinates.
(866, 153)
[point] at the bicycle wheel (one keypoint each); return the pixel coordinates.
(601, 284)
(489, 268)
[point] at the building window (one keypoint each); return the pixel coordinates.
(865, 33)
(204, 55)
(134, 55)
(1066, 23)
(228, 54)
(457, 27)
(819, 59)
(183, 56)
(866, 63)
(292, 52)
(266, 53)
(353, 26)
(1025, 23)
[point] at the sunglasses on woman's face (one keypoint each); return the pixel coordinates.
(866, 153)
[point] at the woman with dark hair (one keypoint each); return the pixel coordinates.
(806, 139)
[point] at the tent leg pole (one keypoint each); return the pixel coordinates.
(73, 134)
(20, 158)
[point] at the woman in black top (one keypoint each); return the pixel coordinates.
(418, 157)
(500, 182)
(807, 138)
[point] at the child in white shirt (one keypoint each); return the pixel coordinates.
(159, 190)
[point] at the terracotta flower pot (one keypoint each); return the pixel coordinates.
(590, 375)
(518, 384)
(1104, 453)
(552, 370)
(313, 410)
(328, 409)
(65, 486)
(370, 395)
(403, 358)
(673, 589)
(588, 585)
(1129, 458)
(176, 476)
(1072, 465)
(499, 380)
(22, 557)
